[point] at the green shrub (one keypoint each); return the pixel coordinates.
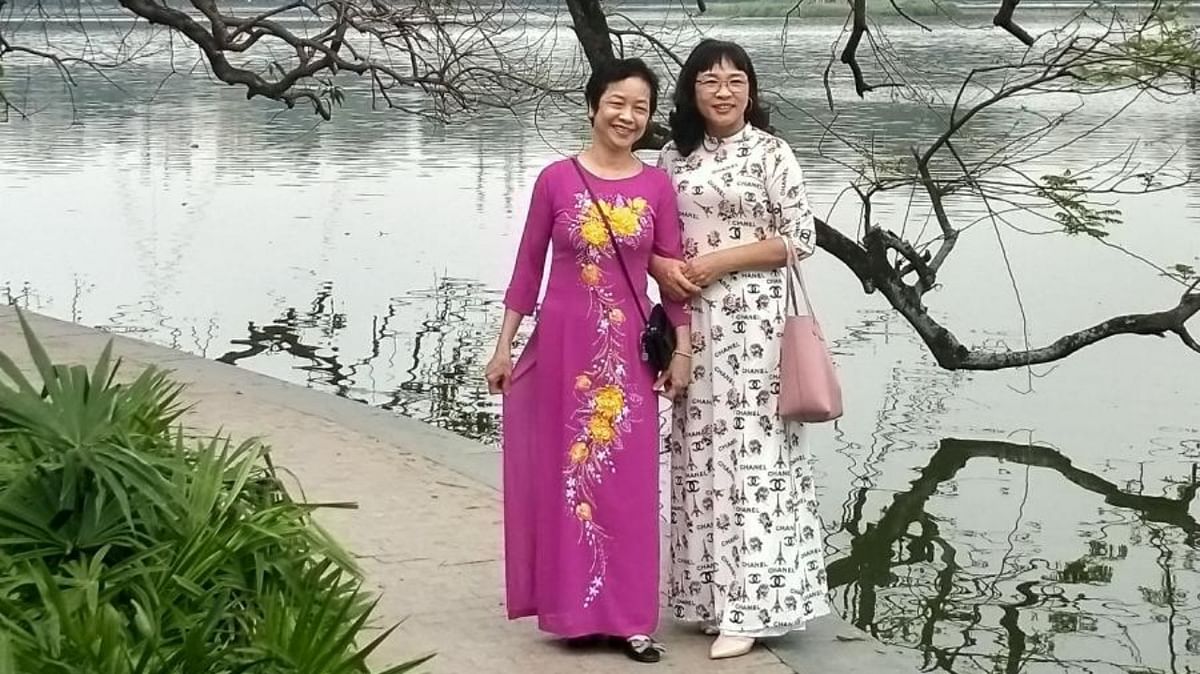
(127, 546)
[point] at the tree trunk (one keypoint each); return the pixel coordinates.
(591, 29)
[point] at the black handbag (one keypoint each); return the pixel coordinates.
(658, 337)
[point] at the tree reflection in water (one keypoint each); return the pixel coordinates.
(431, 373)
(956, 599)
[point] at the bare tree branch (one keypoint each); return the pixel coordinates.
(935, 194)
(455, 54)
(953, 355)
(1004, 19)
(637, 31)
(437, 57)
(849, 253)
(899, 10)
(858, 29)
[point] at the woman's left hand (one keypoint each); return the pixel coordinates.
(705, 270)
(675, 378)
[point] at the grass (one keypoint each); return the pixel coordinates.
(130, 547)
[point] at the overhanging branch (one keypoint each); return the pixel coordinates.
(953, 355)
(858, 29)
(1004, 19)
(849, 253)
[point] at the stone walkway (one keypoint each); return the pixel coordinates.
(427, 527)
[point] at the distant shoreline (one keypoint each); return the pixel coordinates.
(767, 9)
(762, 9)
(724, 10)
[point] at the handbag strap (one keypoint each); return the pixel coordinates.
(611, 238)
(793, 271)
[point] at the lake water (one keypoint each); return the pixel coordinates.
(983, 526)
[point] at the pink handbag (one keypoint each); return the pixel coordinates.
(808, 385)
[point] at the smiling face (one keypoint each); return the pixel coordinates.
(620, 117)
(722, 95)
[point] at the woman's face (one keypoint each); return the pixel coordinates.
(622, 114)
(722, 95)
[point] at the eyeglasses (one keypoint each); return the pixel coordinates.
(711, 85)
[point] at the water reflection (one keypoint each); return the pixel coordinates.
(283, 335)
(22, 295)
(423, 353)
(1030, 616)
(443, 384)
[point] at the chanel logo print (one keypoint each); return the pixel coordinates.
(737, 468)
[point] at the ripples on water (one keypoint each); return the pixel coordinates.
(987, 530)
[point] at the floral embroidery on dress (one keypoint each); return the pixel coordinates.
(603, 402)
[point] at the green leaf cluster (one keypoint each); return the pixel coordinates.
(128, 546)
(1068, 196)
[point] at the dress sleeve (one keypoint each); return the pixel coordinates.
(790, 210)
(668, 242)
(664, 157)
(527, 273)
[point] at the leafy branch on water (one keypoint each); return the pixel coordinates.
(1073, 212)
(128, 546)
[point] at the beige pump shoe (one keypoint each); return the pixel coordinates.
(726, 646)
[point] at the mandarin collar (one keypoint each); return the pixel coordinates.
(713, 142)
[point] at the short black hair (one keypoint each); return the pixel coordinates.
(605, 74)
(687, 125)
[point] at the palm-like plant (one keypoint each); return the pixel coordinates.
(129, 547)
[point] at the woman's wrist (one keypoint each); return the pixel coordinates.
(659, 266)
(723, 262)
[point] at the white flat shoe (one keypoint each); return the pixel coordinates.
(726, 646)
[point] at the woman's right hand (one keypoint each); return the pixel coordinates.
(499, 373)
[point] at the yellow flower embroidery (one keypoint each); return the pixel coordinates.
(604, 408)
(625, 221)
(610, 402)
(584, 511)
(594, 233)
(601, 430)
